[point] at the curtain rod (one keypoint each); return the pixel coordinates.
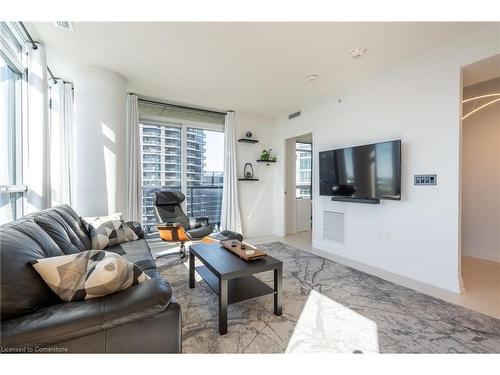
(33, 43)
(30, 39)
(51, 74)
(180, 106)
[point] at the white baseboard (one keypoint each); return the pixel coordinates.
(389, 276)
(481, 256)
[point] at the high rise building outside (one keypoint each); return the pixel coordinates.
(161, 169)
(303, 167)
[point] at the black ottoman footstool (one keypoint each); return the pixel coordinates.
(226, 235)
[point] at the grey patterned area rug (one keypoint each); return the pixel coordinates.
(328, 307)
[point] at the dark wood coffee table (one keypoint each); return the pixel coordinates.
(231, 277)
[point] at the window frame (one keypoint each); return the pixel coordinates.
(16, 62)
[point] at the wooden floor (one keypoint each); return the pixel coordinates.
(481, 278)
(482, 285)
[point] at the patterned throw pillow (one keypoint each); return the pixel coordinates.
(89, 274)
(107, 231)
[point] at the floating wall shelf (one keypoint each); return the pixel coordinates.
(247, 140)
(266, 161)
(248, 179)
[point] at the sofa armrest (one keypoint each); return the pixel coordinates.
(70, 320)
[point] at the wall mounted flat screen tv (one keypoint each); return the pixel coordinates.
(368, 171)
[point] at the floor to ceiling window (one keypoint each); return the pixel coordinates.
(161, 165)
(11, 76)
(185, 154)
(205, 150)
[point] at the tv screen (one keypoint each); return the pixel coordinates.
(369, 171)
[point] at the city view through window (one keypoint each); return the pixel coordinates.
(303, 168)
(201, 180)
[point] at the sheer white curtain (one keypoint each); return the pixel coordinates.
(36, 140)
(134, 188)
(61, 142)
(230, 215)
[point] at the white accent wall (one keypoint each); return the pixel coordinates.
(419, 103)
(256, 197)
(100, 141)
(481, 176)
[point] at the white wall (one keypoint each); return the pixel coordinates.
(256, 197)
(100, 141)
(481, 177)
(419, 103)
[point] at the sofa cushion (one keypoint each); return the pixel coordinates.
(22, 289)
(137, 228)
(74, 221)
(63, 224)
(89, 274)
(136, 252)
(57, 228)
(108, 231)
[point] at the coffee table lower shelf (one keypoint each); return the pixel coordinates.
(240, 289)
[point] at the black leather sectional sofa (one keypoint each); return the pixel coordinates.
(144, 318)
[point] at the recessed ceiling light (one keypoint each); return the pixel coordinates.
(312, 77)
(65, 25)
(357, 53)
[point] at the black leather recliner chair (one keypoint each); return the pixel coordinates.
(174, 224)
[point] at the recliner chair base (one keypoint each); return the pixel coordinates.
(182, 252)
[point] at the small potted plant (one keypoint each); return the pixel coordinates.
(266, 155)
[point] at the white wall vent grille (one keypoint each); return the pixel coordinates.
(334, 226)
(66, 25)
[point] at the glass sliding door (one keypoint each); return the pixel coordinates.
(183, 158)
(205, 166)
(161, 165)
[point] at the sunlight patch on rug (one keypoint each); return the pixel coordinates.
(327, 326)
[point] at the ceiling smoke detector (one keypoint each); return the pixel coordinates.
(358, 53)
(312, 77)
(65, 25)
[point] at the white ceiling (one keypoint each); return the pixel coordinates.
(253, 67)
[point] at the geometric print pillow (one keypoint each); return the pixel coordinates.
(89, 274)
(108, 231)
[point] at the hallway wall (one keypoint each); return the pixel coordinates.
(481, 175)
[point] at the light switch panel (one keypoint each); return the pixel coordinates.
(425, 179)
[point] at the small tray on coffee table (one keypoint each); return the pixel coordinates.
(228, 245)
